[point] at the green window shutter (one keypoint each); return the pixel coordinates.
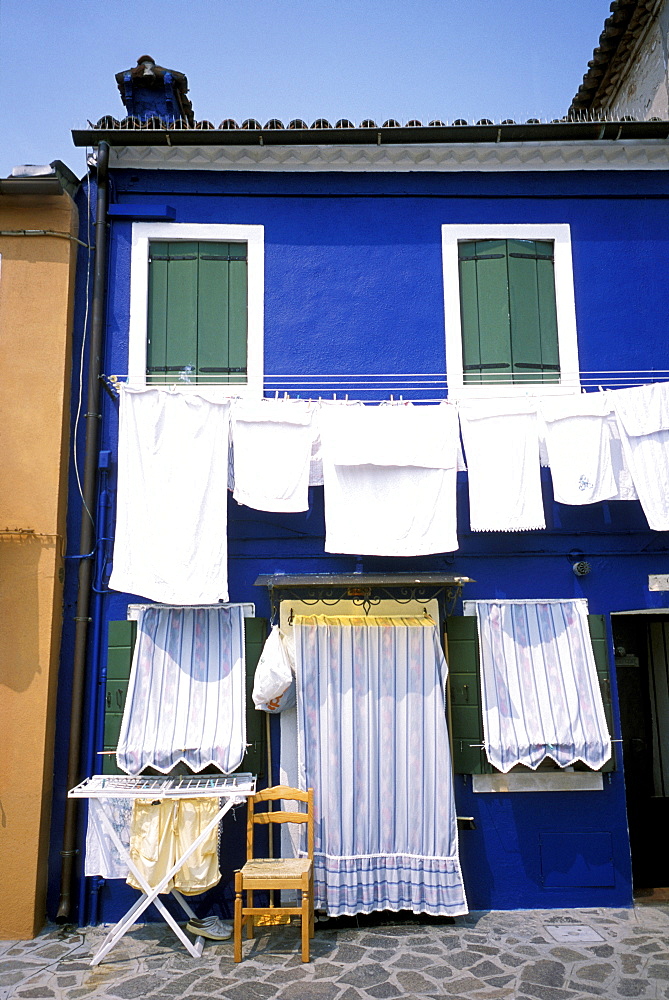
(465, 696)
(508, 310)
(121, 643)
(222, 312)
(469, 313)
(255, 633)
(550, 356)
(533, 310)
(197, 312)
(156, 344)
(600, 647)
(173, 303)
(484, 309)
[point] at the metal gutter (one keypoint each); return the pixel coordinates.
(59, 180)
(87, 539)
(562, 131)
(31, 185)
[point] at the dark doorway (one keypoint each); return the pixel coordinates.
(642, 668)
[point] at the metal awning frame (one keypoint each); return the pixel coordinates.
(365, 590)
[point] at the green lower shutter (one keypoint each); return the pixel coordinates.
(600, 647)
(121, 644)
(255, 633)
(465, 696)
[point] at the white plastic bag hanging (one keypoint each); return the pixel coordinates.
(274, 681)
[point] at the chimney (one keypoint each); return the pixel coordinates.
(151, 92)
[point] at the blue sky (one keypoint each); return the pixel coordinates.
(289, 59)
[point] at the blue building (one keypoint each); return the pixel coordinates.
(349, 253)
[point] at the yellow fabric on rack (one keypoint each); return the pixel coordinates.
(160, 832)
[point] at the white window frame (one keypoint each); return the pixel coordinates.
(254, 237)
(560, 235)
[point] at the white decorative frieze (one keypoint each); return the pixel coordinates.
(627, 154)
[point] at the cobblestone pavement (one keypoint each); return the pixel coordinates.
(543, 954)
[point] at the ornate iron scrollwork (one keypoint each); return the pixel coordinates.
(366, 597)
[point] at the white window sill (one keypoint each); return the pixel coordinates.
(546, 781)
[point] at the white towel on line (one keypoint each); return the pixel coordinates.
(272, 441)
(390, 478)
(642, 415)
(171, 518)
(621, 470)
(501, 439)
(316, 464)
(390, 434)
(578, 441)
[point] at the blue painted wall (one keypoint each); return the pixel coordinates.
(353, 284)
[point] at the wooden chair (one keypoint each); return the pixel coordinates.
(276, 873)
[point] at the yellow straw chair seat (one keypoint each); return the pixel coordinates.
(273, 868)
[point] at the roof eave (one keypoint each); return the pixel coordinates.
(587, 131)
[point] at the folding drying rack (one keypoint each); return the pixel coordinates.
(230, 790)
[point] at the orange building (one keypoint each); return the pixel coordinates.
(38, 253)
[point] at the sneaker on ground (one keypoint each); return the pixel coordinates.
(210, 927)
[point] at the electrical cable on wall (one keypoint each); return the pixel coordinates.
(83, 345)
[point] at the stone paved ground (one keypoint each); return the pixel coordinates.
(529, 954)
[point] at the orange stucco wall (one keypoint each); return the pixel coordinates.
(36, 306)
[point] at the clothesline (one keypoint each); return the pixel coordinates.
(389, 472)
(659, 372)
(375, 387)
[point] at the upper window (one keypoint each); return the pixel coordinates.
(509, 307)
(196, 306)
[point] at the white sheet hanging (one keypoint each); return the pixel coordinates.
(374, 747)
(186, 696)
(501, 440)
(316, 464)
(390, 478)
(583, 448)
(621, 470)
(171, 519)
(539, 688)
(643, 421)
(273, 442)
